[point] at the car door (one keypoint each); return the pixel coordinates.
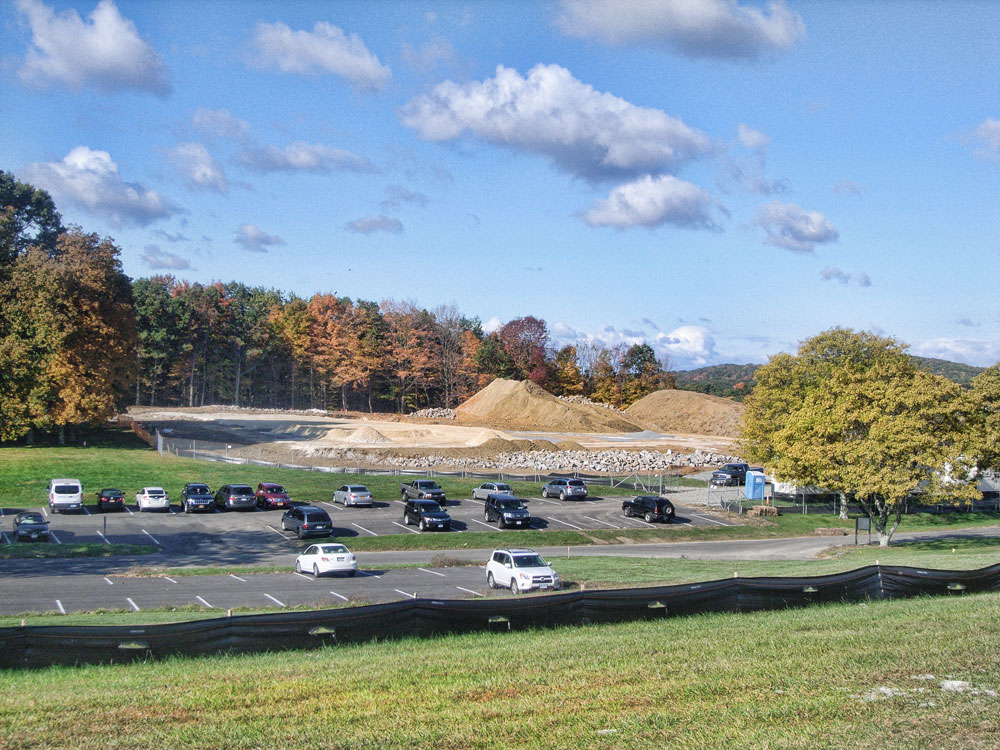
(506, 570)
(309, 557)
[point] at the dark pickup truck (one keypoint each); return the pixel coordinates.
(732, 474)
(422, 489)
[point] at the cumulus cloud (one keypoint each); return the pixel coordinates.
(305, 157)
(253, 239)
(105, 52)
(970, 351)
(199, 169)
(751, 138)
(747, 172)
(492, 325)
(549, 112)
(396, 195)
(219, 123)
(832, 273)
(793, 228)
(988, 134)
(694, 28)
(651, 202)
(90, 180)
(159, 260)
(325, 49)
(687, 346)
(372, 224)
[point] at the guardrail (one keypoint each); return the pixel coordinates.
(42, 646)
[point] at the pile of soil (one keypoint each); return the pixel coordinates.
(522, 405)
(367, 435)
(689, 412)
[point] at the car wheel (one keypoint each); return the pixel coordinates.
(406, 520)
(544, 493)
(514, 588)
(422, 526)
(562, 495)
(315, 570)
(486, 517)
(298, 567)
(284, 526)
(352, 573)
(490, 581)
(626, 513)
(649, 518)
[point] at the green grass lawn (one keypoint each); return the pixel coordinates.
(837, 676)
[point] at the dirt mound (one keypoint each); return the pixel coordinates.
(368, 436)
(484, 436)
(689, 412)
(522, 405)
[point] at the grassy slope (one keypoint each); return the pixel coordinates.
(842, 676)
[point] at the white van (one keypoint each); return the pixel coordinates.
(65, 494)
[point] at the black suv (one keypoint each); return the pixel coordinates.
(196, 496)
(650, 507)
(232, 496)
(507, 510)
(427, 514)
(307, 520)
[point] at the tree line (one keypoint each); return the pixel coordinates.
(79, 340)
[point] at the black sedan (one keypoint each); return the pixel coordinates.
(110, 498)
(650, 507)
(31, 527)
(427, 514)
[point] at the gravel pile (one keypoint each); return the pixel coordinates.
(588, 402)
(435, 413)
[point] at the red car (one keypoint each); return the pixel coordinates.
(271, 495)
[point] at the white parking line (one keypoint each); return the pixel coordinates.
(204, 602)
(59, 604)
(636, 520)
(45, 512)
(566, 523)
(279, 533)
(481, 523)
(238, 578)
(134, 605)
(85, 509)
(476, 500)
(53, 535)
(110, 582)
(433, 572)
(370, 575)
(103, 538)
(399, 501)
(333, 505)
(276, 601)
(550, 502)
(170, 579)
(129, 511)
(151, 537)
(598, 520)
(5, 539)
(407, 528)
(302, 575)
(359, 526)
(707, 518)
(412, 596)
(339, 596)
(462, 588)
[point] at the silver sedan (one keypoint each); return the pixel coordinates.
(486, 489)
(353, 494)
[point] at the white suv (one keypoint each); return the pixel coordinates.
(520, 570)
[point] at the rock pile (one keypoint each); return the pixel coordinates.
(588, 402)
(434, 414)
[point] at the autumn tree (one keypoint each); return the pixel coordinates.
(526, 341)
(986, 392)
(568, 379)
(493, 361)
(851, 413)
(409, 333)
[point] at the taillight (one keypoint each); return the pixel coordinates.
(305, 525)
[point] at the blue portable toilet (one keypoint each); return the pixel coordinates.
(754, 487)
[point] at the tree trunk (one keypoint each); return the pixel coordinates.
(236, 382)
(843, 506)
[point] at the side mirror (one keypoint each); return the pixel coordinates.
(506, 564)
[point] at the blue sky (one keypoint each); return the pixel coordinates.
(720, 179)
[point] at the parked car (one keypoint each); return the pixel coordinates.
(271, 495)
(486, 489)
(520, 570)
(507, 510)
(234, 496)
(730, 474)
(422, 489)
(353, 494)
(565, 489)
(31, 526)
(65, 494)
(307, 520)
(427, 514)
(152, 498)
(326, 558)
(110, 498)
(650, 507)
(196, 496)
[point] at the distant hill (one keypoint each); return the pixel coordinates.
(736, 381)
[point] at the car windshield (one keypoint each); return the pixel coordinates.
(330, 549)
(317, 516)
(277, 489)
(429, 506)
(34, 518)
(112, 493)
(576, 483)
(67, 489)
(511, 504)
(198, 489)
(504, 488)
(528, 561)
(358, 488)
(241, 491)
(154, 493)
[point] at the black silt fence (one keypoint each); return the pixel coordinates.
(41, 646)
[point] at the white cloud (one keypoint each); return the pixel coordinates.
(219, 123)
(585, 132)
(492, 325)
(988, 133)
(157, 259)
(106, 52)
(200, 170)
(651, 202)
(396, 195)
(306, 157)
(90, 180)
(325, 49)
(695, 28)
(687, 347)
(793, 228)
(970, 351)
(372, 224)
(253, 239)
(832, 273)
(751, 138)
(429, 56)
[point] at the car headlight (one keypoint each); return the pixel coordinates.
(524, 576)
